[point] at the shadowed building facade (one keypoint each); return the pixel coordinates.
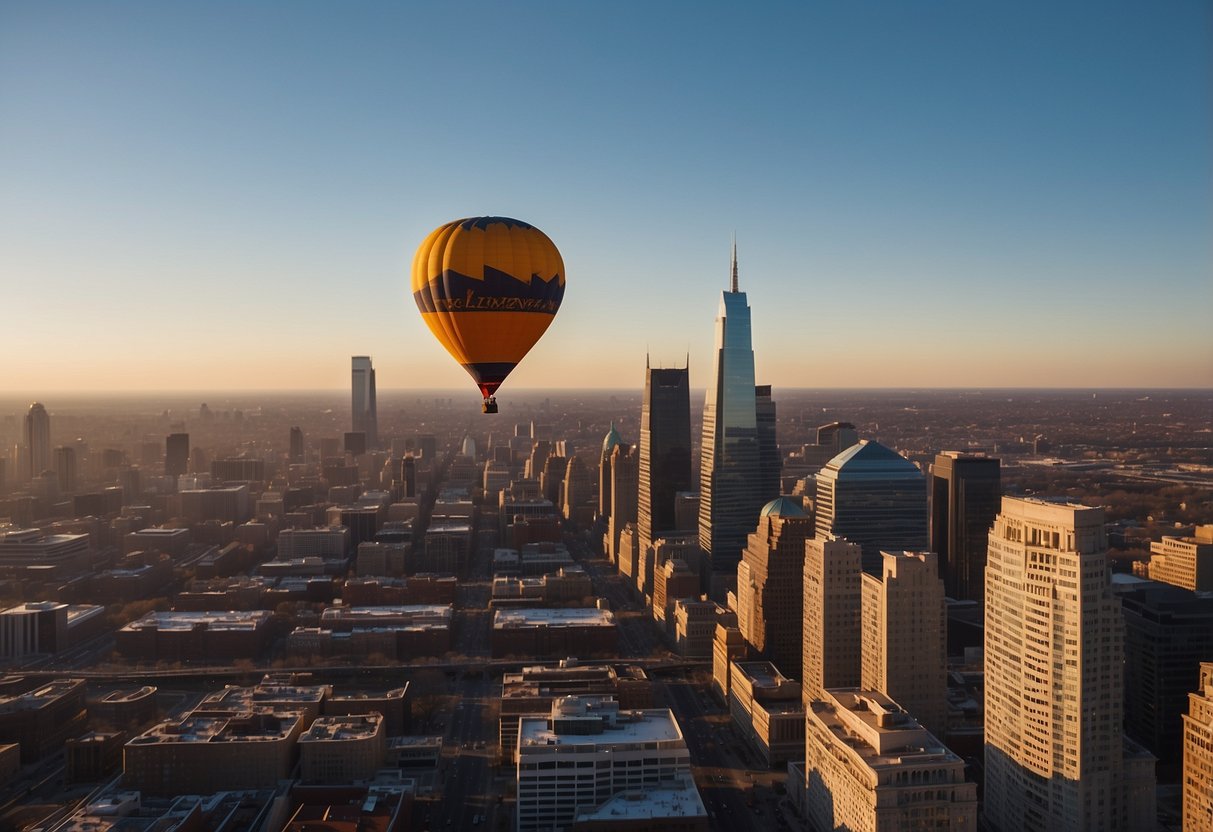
(965, 494)
(665, 457)
(770, 589)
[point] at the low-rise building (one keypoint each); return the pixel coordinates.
(870, 767)
(393, 705)
(532, 690)
(209, 636)
(544, 632)
(174, 542)
(669, 807)
(93, 756)
(766, 707)
(124, 708)
(584, 753)
(43, 719)
(1184, 561)
(342, 749)
(47, 627)
(203, 754)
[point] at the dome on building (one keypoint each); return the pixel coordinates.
(612, 439)
(783, 507)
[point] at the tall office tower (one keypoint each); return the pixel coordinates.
(904, 640)
(176, 454)
(296, 450)
(769, 461)
(873, 496)
(65, 469)
(730, 486)
(1054, 751)
(770, 584)
(1184, 561)
(965, 494)
(37, 440)
(1198, 755)
(665, 453)
(624, 487)
(831, 634)
(609, 443)
(362, 400)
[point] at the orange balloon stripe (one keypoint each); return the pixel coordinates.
(497, 337)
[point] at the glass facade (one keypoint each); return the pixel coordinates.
(730, 494)
(364, 411)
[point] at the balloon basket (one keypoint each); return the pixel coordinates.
(489, 406)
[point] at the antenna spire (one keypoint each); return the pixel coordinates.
(735, 289)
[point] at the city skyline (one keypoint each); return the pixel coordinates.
(907, 167)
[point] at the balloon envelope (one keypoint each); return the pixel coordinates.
(488, 288)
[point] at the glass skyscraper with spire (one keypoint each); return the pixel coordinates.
(730, 487)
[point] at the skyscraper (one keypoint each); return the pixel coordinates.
(296, 446)
(37, 439)
(770, 588)
(665, 454)
(609, 442)
(176, 454)
(623, 497)
(1055, 755)
(904, 624)
(873, 496)
(365, 413)
(965, 494)
(730, 486)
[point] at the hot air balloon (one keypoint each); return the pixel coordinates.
(488, 288)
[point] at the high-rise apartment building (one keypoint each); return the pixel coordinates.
(176, 454)
(873, 496)
(965, 494)
(1054, 750)
(363, 409)
(37, 435)
(730, 483)
(1198, 755)
(665, 454)
(831, 634)
(609, 443)
(904, 636)
(770, 584)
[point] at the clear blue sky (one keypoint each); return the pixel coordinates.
(228, 195)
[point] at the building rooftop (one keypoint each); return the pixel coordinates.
(212, 620)
(783, 507)
(552, 617)
(617, 727)
(670, 799)
(877, 729)
(344, 728)
(40, 697)
(247, 727)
